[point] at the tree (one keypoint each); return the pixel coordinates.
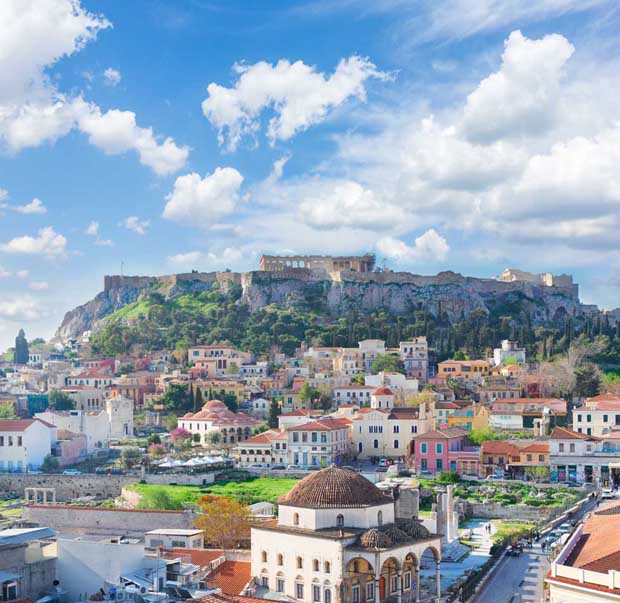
(50, 464)
(587, 381)
(537, 474)
(226, 522)
(175, 397)
(274, 413)
(213, 438)
(156, 450)
(196, 438)
(386, 362)
(198, 399)
(260, 428)
(21, 348)
(154, 439)
(307, 393)
(7, 410)
(477, 436)
(131, 456)
(60, 400)
(359, 379)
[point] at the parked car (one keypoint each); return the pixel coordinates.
(383, 463)
(71, 472)
(494, 478)
(278, 467)
(607, 493)
(514, 550)
(314, 468)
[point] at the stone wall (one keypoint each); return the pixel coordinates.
(113, 522)
(513, 512)
(67, 487)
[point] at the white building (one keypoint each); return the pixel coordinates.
(319, 443)
(174, 538)
(508, 350)
(414, 356)
(24, 443)
(94, 424)
(353, 394)
(84, 397)
(339, 538)
(402, 387)
(120, 413)
(598, 415)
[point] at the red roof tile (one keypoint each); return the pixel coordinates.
(231, 576)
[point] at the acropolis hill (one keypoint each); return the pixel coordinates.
(342, 284)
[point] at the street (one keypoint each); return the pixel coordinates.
(517, 579)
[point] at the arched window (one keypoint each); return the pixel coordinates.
(296, 519)
(380, 518)
(327, 568)
(396, 444)
(300, 563)
(340, 521)
(359, 447)
(315, 565)
(264, 556)
(327, 598)
(280, 559)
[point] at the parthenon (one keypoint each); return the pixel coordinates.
(327, 263)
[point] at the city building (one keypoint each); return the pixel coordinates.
(511, 459)
(174, 538)
(473, 370)
(319, 443)
(587, 569)
(444, 450)
(232, 426)
(383, 430)
(264, 449)
(353, 394)
(527, 413)
(414, 356)
(598, 415)
(339, 538)
(474, 416)
(509, 352)
(24, 443)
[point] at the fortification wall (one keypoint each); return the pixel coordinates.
(67, 487)
(112, 522)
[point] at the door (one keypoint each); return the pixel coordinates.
(381, 588)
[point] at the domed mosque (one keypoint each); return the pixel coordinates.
(339, 539)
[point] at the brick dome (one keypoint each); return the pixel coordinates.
(334, 488)
(375, 539)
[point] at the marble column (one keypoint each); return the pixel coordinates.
(377, 589)
(438, 579)
(399, 592)
(417, 584)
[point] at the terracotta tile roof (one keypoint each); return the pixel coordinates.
(266, 437)
(334, 488)
(583, 585)
(603, 402)
(499, 447)
(447, 406)
(224, 598)
(537, 447)
(441, 434)
(525, 404)
(231, 576)
(562, 433)
(595, 550)
(21, 424)
(321, 425)
(302, 412)
(202, 557)
(382, 391)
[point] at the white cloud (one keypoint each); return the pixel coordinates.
(48, 243)
(4, 273)
(349, 204)
(34, 207)
(521, 98)
(430, 246)
(92, 229)
(197, 201)
(20, 308)
(115, 132)
(37, 34)
(38, 285)
(4, 194)
(22, 274)
(112, 76)
(298, 94)
(136, 225)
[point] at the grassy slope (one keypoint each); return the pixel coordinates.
(249, 491)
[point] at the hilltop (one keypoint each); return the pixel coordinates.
(286, 304)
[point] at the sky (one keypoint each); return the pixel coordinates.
(160, 136)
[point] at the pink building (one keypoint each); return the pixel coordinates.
(444, 450)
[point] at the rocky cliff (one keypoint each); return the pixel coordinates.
(335, 294)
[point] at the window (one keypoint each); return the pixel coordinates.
(296, 519)
(439, 464)
(295, 436)
(340, 521)
(562, 447)
(529, 458)
(300, 563)
(327, 568)
(299, 590)
(424, 464)
(423, 448)
(579, 419)
(355, 592)
(589, 418)
(280, 559)
(328, 596)
(414, 429)
(19, 440)
(263, 556)
(280, 585)
(316, 593)
(315, 565)
(605, 418)
(380, 518)
(396, 429)
(375, 443)
(439, 448)
(541, 458)
(407, 579)
(264, 581)
(1, 440)
(370, 591)
(396, 443)
(394, 584)
(572, 447)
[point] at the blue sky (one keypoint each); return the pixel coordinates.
(469, 135)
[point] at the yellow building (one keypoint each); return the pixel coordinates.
(467, 369)
(471, 417)
(213, 388)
